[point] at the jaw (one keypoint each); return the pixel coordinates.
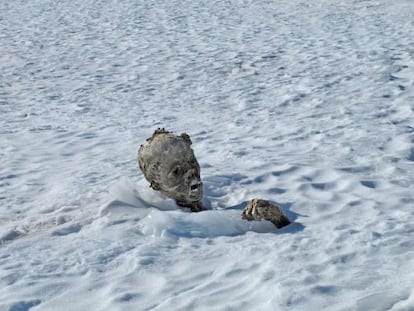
(195, 194)
(188, 194)
(190, 197)
(193, 206)
(185, 195)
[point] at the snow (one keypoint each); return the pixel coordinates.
(307, 104)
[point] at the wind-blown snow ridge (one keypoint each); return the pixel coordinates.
(307, 104)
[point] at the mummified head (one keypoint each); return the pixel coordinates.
(169, 164)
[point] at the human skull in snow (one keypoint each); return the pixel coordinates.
(170, 166)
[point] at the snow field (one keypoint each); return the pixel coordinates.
(309, 105)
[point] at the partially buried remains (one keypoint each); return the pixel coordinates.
(170, 166)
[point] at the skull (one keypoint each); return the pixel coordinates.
(170, 166)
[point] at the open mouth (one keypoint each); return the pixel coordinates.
(195, 191)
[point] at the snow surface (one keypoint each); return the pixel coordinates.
(309, 104)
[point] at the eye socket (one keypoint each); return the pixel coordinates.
(176, 170)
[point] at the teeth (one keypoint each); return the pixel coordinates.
(195, 186)
(196, 193)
